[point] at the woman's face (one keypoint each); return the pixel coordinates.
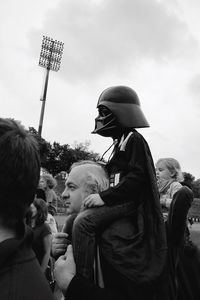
(33, 210)
(162, 172)
(42, 183)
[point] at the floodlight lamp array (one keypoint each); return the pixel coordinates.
(51, 54)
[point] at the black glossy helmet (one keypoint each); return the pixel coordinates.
(123, 110)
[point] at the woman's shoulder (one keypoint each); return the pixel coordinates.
(174, 187)
(44, 229)
(175, 184)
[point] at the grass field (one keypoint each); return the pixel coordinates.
(195, 233)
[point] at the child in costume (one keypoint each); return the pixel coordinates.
(132, 193)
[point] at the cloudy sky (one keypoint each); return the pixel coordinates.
(152, 46)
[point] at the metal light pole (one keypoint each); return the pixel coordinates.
(50, 59)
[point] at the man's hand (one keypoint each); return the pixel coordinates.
(92, 201)
(65, 269)
(59, 244)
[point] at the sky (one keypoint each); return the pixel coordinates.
(153, 46)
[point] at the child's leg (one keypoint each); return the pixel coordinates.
(86, 225)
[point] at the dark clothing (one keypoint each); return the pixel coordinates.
(39, 232)
(129, 165)
(118, 288)
(137, 247)
(88, 224)
(176, 228)
(81, 288)
(188, 272)
(185, 254)
(20, 274)
(133, 250)
(40, 193)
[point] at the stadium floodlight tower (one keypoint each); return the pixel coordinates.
(50, 59)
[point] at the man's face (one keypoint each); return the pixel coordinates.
(74, 192)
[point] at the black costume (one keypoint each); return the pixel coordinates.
(183, 265)
(132, 250)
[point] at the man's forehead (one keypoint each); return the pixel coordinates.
(76, 175)
(80, 173)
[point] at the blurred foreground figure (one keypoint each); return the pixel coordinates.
(20, 273)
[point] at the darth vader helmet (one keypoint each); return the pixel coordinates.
(119, 109)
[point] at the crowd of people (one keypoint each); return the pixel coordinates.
(125, 235)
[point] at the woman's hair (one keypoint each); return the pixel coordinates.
(50, 180)
(40, 193)
(174, 167)
(42, 211)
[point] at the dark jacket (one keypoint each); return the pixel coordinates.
(20, 275)
(81, 288)
(183, 265)
(133, 250)
(136, 247)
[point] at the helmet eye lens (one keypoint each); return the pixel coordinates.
(104, 111)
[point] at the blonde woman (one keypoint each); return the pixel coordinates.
(169, 176)
(48, 183)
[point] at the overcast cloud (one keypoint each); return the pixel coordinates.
(150, 45)
(111, 36)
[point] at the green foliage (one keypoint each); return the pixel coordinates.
(196, 188)
(188, 179)
(56, 157)
(194, 211)
(44, 147)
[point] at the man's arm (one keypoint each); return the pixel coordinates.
(74, 286)
(59, 244)
(62, 239)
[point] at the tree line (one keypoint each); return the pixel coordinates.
(57, 158)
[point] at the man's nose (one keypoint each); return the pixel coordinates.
(65, 194)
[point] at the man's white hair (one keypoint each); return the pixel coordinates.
(96, 177)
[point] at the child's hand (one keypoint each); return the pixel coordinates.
(93, 200)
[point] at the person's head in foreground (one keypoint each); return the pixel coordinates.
(20, 171)
(85, 178)
(119, 111)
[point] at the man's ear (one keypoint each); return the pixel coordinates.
(91, 185)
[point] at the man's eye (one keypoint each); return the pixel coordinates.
(72, 187)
